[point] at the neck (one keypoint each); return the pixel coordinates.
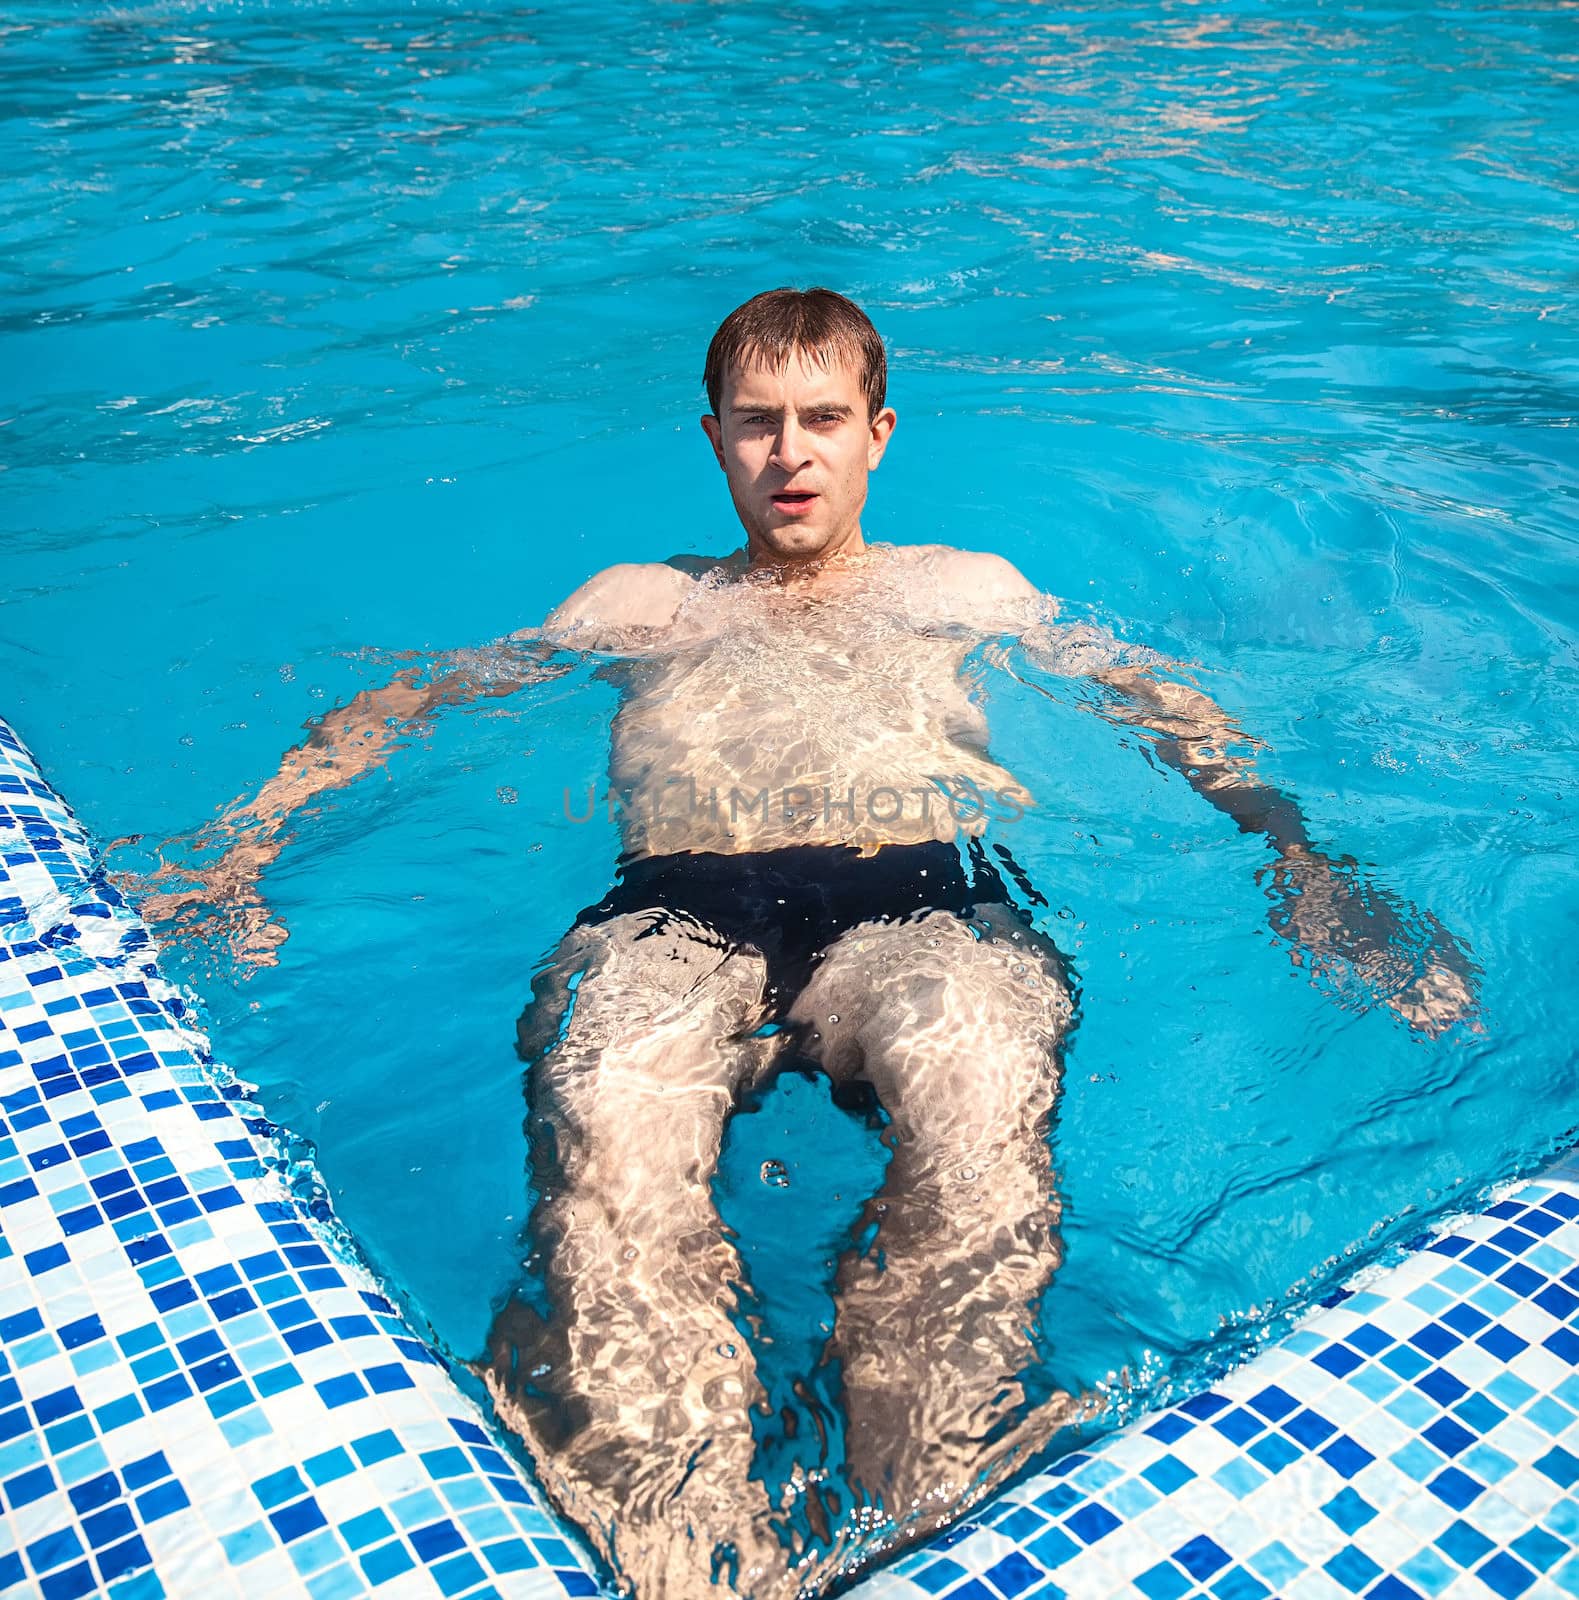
(761, 559)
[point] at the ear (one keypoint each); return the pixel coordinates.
(882, 427)
(714, 430)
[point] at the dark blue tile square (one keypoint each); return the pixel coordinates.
(1502, 1343)
(70, 1584)
(1013, 1575)
(1514, 1240)
(435, 1540)
(1485, 1260)
(1202, 1406)
(1435, 1340)
(1539, 1549)
(212, 1374)
(1561, 1467)
(55, 1549)
(1239, 1426)
(38, 1262)
(161, 1501)
(1338, 1359)
(1391, 1588)
(1368, 1338)
(1200, 1558)
(384, 1379)
(167, 1392)
(1346, 1457)
(312, 1337)
(1564, 1344)
(123, 1558)
(51, 1407)
(105, 1527)
(1309, 1429)
(1273, 1402)
(1441, 1385)
(86, 1330)
(1448, 1437)
(1352, 1568)
(149, 1469)
(293, 1521)
(1557, 1302)
(99, 1491)
(200, 1346)
(1505, 1576)
(1169, 1428)
(1091, 1522)
(231, 1304)
(1455, 1488)
(27, 1486)
(341, 1390)
(1521, 1280)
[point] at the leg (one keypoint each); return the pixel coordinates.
(633, 1398)
(958, 1027)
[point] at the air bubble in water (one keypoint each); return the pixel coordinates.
(775, 1175)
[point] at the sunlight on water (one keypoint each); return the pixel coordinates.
(338, 341)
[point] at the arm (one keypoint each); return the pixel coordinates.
(621, 609)
(1347, 928)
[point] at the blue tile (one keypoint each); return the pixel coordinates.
(1352, 1568)
(1200, 1557)
(1012, 1575)
(1505, 1576)
(435, 1540)
(1539, 1549)
(1561, 1467)
(294, 1521)
(1349, 1511)
(1167, 1473)
(1463, 1543)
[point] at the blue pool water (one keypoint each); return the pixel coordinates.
(332, 332)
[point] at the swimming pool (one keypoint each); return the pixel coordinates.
(1249, 334)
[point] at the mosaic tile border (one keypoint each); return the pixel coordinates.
(197, 1397)
(1416, 1437)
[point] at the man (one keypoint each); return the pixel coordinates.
(798, 762)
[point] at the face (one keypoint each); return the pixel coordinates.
(796, 447)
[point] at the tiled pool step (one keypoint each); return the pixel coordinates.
(197, 1398)
(1417, 1437)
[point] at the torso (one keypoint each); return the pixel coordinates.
(825, 712)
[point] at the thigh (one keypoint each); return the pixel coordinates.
(953, 1022)
(645, 1020)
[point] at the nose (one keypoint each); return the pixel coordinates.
(790, 447)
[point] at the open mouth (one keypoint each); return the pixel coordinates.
(793, 500)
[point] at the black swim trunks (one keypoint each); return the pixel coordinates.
(791, 904)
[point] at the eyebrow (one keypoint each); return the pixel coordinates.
(832, 407)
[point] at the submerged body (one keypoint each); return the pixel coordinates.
(833, 926)
(797, 754)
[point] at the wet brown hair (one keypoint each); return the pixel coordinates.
(778, 323)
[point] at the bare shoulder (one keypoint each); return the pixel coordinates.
(975, 580)
(629, 596)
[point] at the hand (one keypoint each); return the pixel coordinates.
(1358, 937)
(219, 902)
